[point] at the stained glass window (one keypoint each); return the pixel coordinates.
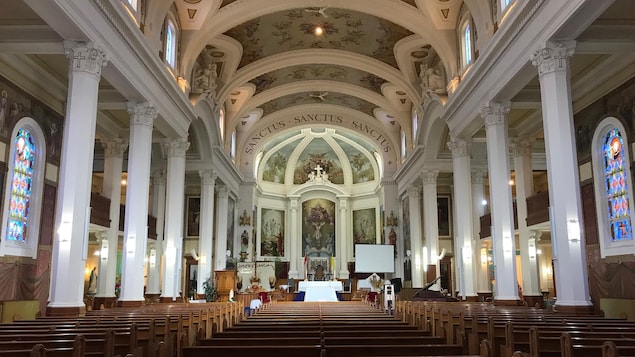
(21, 182)
(616, 186)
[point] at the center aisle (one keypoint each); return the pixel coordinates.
(322, 329)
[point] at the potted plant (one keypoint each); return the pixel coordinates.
(210, 290)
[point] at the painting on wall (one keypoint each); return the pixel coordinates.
(272, 233)
(443, 206)
(318, 228)
(193, 216)
(364, 222)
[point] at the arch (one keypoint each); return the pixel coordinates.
(613, 187)
(24, 220)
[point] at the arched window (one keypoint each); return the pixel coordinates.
(232, 145)
(415, 125)
(613, 192)
(466, 45)
(170, 42)
(133, 4)
(221, 124)
(23, 198)
(504, 4)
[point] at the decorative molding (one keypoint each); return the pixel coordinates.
(553, 57)
(495, 113)
(429, 177)
(414, 190)
(176, 147)
(85, 58)
(141, 113)
(114, 147)
(459, 147)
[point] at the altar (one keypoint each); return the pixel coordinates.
(320, 290)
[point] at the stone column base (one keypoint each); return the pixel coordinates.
(66, 311)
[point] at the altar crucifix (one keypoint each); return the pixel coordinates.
(318, 170)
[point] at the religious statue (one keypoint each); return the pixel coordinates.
(205, 79)
(92, 282)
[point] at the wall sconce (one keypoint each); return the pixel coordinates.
(391, 220)
(152, 260)
(130, 244)
(64, 232)
(104, 250)
(483, 256)
(467, 253)
(245, 219)
(531, 248)
(573, 230)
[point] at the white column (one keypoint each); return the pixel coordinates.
(478, 195)
(113, 166)
(156, 249)
(430, 219)
(391, 205)
(567, 235)
(206, 238)
(415, 236)
(297, 254)
(75, 173)
(135, 235)
(495, 117)
(344, 243)
(220, 259)
(175, 210)
(521, 151)
(464, 217)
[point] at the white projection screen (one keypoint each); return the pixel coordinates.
(374, 258)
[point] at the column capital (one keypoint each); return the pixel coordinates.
(114, 147)
(208, 177)
(521, 147)
(553, 57)
(101, 235)
(478, 176)
(535, 234)
(293, 204)
(176, 147)
(414, 190)
(223, 191)
(495, 113)
(141, 113)
(459, 147)
(158, 176)
(343, 204)
(429, 177)
(85, 57)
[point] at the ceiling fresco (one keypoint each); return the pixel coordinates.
(294, 30)
(332, 98)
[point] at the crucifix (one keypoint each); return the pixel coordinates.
(318, 170)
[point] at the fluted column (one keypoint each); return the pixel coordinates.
(205, 240)
(175, 211)
(296, 256)
(495, 117)
(344, 243)
(113, 165)
(135, 236)
(156, 249)
(478, 195)
(72, 211)
(220, 258)
(430, 220)
(463, 238)
(415, 236)
(521, 151)
(567, 233)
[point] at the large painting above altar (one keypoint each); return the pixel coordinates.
(318, 228)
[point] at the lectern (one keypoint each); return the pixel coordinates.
(225, 282)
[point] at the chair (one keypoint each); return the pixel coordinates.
(264, 297)
(372, 297)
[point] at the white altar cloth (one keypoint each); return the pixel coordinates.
(320, 290)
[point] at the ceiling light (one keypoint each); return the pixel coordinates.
(124, 182)
(318, 31)
(511, 182)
